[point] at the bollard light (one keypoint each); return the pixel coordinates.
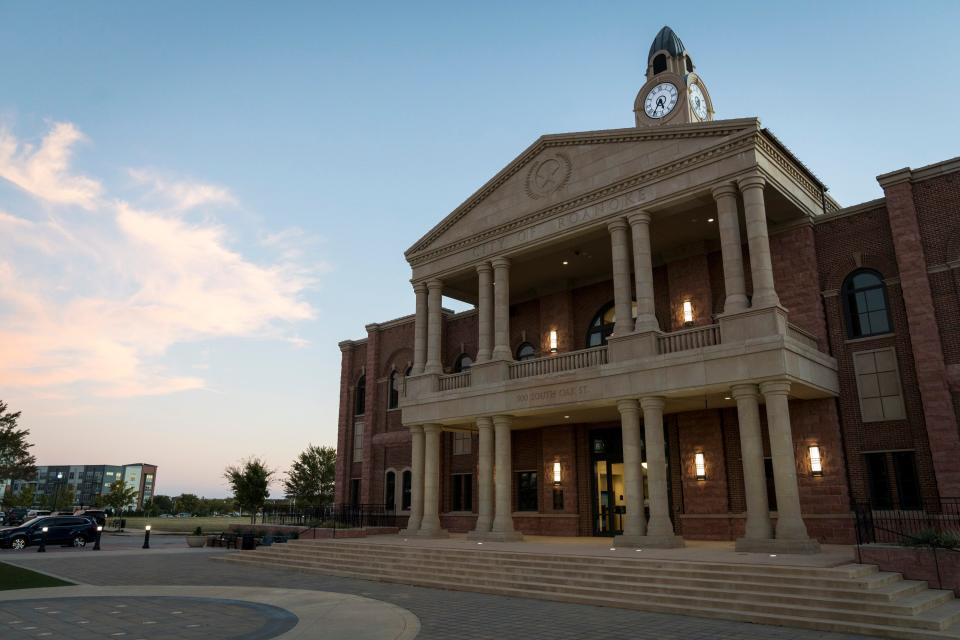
(700, 465)
(553, 340)
(146, 537)
(43, 541)
(96, 543)
(816, 464)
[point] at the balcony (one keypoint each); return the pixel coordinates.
(592, 357)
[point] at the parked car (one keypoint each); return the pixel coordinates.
(99, 515)
(15, 516)
(65, 530)
(36, 513)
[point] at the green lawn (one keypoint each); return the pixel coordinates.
(183, 525)
(13, 577)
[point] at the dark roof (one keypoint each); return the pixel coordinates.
(668, 40)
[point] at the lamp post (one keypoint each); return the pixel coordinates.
(43, 541)
(146, 537)
(56, 494)
(96, 543)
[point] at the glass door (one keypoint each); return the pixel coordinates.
(608, 494)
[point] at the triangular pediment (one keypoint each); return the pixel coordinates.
(561, 168)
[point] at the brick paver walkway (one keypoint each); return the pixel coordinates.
(442, 614)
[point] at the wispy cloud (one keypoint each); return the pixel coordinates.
(97, 301)
(44, 171)
(181, 195)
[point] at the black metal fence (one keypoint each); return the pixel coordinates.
(332, 516)
(908, 526)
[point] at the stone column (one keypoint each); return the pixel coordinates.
(751, 455)
(484, 311)
(502, 529)
(430, 525)
(643, 272)
(501, 301)
(434, 326)
(420, 329)
(484, 479)
(729, 223)
(622, 297)
(761, 267)
(416, 472)
(791, 530)
(635, 524)
(659, 529)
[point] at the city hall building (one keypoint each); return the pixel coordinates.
(677, 334)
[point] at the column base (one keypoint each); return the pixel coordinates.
(409, 532)
(651, 542)
(432, 533)
(495, 536)
(777, 545)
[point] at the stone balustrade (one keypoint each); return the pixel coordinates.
(558, 363)
(454, 381)
(687, 339)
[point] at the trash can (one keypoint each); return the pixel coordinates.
(248, 543)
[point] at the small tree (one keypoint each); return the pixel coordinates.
(120, 497)
(250, 482)
(16, 463)
(187, 503)
(62, 498)
(24, 498)
(311, 477)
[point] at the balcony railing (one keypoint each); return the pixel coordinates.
(558, 363)
(800, 335)
(455, 381)
(689, 339)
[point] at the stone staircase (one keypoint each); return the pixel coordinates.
(852, 598)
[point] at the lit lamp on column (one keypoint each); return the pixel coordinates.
(43, 541)
(553, 343)
(557, 489)
(816, 463)
(700, 465)
(96, 543)
(146, 537)
(687, 312)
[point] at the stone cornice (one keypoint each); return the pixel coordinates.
(923, 173)
(774, 151)
(716, 129)
(852, 210)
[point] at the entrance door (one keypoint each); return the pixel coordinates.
(608, 492)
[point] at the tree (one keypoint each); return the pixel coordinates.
(22, 499)
(187, 503)
(311, 477)
(62, 498)
(120, 497)
(250, 482)
(159, 504)
(16, 463)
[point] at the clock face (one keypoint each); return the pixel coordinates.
(661, 100)
(698, 102)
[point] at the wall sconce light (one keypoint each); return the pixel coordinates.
(556, 473)
(700, 465)
(553, 340)
(816, 463)
(687, 312)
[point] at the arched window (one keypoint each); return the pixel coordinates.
(393, 400)
(659, 63)
(406, 490)
(360, 399)
(865, 304)
(463, 363)
(526, 351)
(603, 323)
(390, 490)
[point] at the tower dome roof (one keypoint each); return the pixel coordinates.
(666, 39)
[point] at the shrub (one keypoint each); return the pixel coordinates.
(198, 531)
(935, 539)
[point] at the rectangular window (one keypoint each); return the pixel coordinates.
(358, 442)
(908, 487)
(461, 443)
(407, 495)
(462, 492)
(527, 495)
(878, 481)
(878, 385)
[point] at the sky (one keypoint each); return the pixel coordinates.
(198, 201)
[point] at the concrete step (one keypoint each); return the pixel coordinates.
(927, 626)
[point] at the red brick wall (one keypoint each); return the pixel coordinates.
(917, 564)
(460, 335)
(700, 431)
(794, 256)
(689, 279)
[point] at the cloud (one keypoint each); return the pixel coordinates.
(181, 195)
(97, 302)
(44, 171)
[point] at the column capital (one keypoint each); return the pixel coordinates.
(484, 422)
(618, 224)
(500, 261)
(503, 421)
(347, 345)
(775, 387)
(434, 285)
(415, 428)
(484, 267)
(419, 287)
(628, 405)
(432, 428)
(639, 217)
(724, 190)
(751, 181)
(653, 402)
(738, 391)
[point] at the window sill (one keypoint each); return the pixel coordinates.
(878, 336)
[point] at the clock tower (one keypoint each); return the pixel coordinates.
(673, 93)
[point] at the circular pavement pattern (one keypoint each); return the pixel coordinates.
(142, 618)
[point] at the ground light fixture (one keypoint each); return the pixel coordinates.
(700, 465)
(96, 542)
(553, 340)
(146, 537)
(816, 463)
(687, 312)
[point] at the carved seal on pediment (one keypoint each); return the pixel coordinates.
(548, 174)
